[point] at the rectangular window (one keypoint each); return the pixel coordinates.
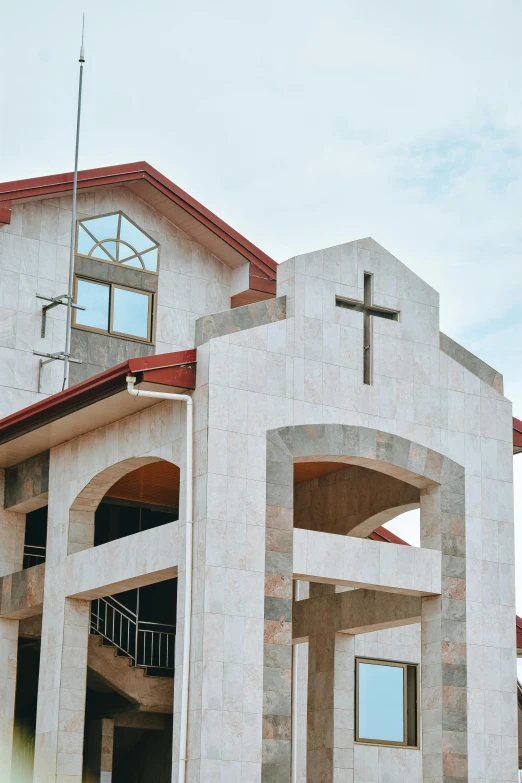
(114, 309)
(387, 709)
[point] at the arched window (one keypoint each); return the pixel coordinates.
(116, 239)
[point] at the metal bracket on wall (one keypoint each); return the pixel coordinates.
(54, 301)
(51, 357)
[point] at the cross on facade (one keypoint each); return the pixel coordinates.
(367, 308)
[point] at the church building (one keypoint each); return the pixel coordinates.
(197, 583)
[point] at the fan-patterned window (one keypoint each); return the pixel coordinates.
(117, 240)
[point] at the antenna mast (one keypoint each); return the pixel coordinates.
(67, 352)
(66, 299)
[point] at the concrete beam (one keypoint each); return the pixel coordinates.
(353, 612)
(148, 721)
(134, 561)
(356, 562)
(22, 593)
(27, 484)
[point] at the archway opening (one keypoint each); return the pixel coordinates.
(142, 499)
(333, 497)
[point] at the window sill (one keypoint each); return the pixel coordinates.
(393, 745)
(112, 334)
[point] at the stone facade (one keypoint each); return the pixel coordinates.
(281, 383)
(34, 258)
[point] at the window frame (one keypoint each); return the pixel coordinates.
(411, 724)
(120, 213)
(110, 332)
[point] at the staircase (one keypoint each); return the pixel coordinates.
(148, 645)
(146, 693)
(135, 658)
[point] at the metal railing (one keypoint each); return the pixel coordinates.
(156, 645)
(148, 645)
(33, 555)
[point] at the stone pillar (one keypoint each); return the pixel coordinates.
(12, 529)
(99, 751)
(330, 703)
(443, 659)
(62, 685)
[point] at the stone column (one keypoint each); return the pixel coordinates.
(62, 685)
(100, 747)
(330, 703)
(443, 659)
(12, 529)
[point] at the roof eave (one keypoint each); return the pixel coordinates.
(39, 187)
(173, 369)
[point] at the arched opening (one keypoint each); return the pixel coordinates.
(142, 499)
(333, 497)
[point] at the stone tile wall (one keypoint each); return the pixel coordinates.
(34, 258)
(308, 370)
(27, 483)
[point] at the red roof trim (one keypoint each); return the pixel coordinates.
(381, 534)
(128, 172)
(172, 369)
(517, 436)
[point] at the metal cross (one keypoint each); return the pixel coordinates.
(368, 309)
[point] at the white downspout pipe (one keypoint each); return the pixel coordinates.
(295, 663)
(187, 623)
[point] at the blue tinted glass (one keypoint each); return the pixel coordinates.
(131, 234)
(381, 702)
(102, 227)
(150, 259)
(85, 242)
(110, 247)
(130, 313)
(95, 298)
(99, 252)
(125, 251)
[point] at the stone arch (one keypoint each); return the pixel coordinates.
(442, 499)
(83, 508)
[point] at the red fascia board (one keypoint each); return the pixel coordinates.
(112, 175)
(263, 284)
(5, 212)
(172, 369)
(517, 436)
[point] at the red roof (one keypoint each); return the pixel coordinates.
(164, 196)
(382, 534)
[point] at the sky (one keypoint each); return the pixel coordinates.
(303, 125)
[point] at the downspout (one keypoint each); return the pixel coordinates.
(187, 623)
(295, 663)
